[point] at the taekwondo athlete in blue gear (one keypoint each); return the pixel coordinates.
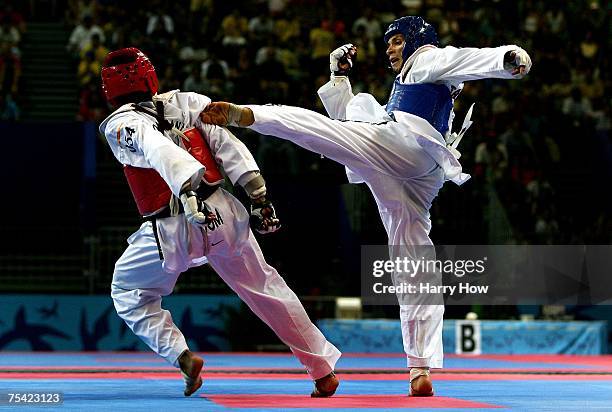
(403, 151)
(432, 102)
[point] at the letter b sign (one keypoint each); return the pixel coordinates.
(467, 337)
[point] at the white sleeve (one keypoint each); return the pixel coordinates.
(195, 102)
(169, 23)
(151, 24)
(75, 36)
(451, 64)
(335, 96)
(229, 151)
(136, 143)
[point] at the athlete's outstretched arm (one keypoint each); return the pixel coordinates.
(336, 94)
(464, 64)
(241, 168)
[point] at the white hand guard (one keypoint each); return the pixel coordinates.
(196, 211)
(254, 184)
(517, 62)
(341, 59)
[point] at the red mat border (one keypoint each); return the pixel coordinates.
(344, 401)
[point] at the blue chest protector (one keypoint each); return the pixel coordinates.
(429, 101)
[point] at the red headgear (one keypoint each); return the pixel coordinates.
(128, 71)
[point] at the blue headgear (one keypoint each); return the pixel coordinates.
(417, 32)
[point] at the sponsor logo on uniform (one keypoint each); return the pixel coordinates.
(129, 142)
(174, 123)
(216, 222)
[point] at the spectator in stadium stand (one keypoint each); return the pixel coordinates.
(81, 36)
(10, 68)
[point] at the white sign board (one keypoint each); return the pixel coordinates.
(468, 340)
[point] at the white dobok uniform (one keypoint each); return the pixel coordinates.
(141, 277)
(404, 160)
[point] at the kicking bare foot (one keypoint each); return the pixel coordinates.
(227, 114)
(191, 366)
(420, 382)
(325, 386)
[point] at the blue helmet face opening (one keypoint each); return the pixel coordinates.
(416, 31)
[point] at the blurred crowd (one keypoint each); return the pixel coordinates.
(12, 28)
(539, 151)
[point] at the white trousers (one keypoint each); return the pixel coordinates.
(404, 179)
(139, 282)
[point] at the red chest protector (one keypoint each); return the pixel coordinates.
(151, 192)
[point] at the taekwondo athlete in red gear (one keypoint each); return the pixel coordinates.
(171, 159)
(403, 151)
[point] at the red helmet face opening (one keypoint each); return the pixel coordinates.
(128, 71)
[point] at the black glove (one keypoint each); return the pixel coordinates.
(263, 217)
